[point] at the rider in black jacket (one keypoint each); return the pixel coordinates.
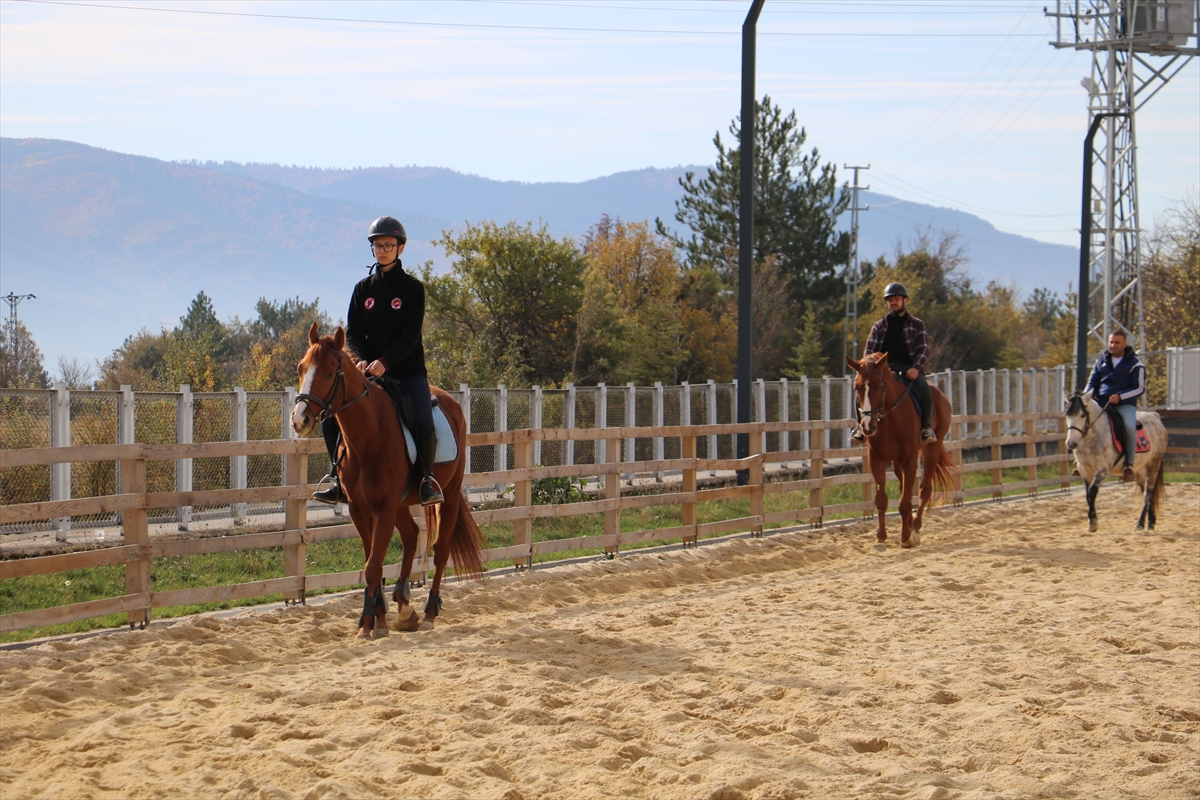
(383, 329)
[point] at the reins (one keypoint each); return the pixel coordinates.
(325, 404)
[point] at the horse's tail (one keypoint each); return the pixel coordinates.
(466, 542)
(940, 469)
(1160, 488)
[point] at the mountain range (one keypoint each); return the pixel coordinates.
(110, 242)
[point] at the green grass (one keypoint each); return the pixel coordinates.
(218, 569)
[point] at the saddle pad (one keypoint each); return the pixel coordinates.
(1143, 440)
(447, 447)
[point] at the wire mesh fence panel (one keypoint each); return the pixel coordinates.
(643, 448)
(698, 399)
(25, 422)
(615, 417)
(520, 403)
(770, 391)
(554, 404)
(726, 445)
(483, 420)
(93, 422)
(155, 416)
(585, 417)
(672, 415)
(264, 420)
(211, 420)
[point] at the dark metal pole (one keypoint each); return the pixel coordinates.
(1085, 253)
(745, 371)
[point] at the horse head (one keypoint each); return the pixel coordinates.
(870, 389)
(321, 374)
(1081, 411)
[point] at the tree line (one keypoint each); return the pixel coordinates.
(644, 301)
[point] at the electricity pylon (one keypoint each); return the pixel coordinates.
(1137, 46)
(853, 275)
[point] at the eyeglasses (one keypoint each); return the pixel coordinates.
(385, 248)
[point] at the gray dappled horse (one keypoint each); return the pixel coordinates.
(1089, 437)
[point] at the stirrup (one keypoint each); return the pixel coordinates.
(332, 495)
(927, 435)
(1128, 476)
(857, 435)
(430, 492)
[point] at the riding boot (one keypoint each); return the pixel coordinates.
(333, 438)
(856, 434)
(429, 492)
(926, 398)
(333, 494)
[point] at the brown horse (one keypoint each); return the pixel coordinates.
(893, 428)
(375, 475)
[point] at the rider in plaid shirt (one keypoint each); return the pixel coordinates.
(903, 337)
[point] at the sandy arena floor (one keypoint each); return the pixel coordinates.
(1012, 655)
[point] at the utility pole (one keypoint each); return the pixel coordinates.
(13, 301)
(1128, 40)
(745, 348)
(853, 275)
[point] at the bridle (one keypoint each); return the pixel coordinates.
(1087, 416)
(327, 410)
(879, 413)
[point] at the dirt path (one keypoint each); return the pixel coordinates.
(1012, 655)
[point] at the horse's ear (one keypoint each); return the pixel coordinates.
(339, 338)
(854, 365)
(313, 334)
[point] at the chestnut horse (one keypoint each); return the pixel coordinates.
(375, 475)
(892, 426)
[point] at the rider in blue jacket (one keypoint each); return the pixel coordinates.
(1118, 380)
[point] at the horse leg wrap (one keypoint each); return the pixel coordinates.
(368, 606)
(380, 601)
(433, 606)
(402, 594)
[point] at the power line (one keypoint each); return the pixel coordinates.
(962, 203)
(493, 26)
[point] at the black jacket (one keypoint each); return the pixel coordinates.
(384, 322)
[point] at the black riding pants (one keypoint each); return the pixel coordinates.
(417, 389)
(920, 388)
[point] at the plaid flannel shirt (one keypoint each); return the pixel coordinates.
(915, 337)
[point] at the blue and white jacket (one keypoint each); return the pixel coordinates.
(1127, 379)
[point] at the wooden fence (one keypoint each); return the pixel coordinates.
(133, 501)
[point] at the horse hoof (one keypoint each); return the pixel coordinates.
(879, 547)
(410, 623)
(380, 631)
(916, 539)
(907, 544)
(427, 623)
(363, 635)
(1093, 526)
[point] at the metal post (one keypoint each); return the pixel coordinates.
(569, 424)
(465, 392)
(630, 422)
(850, 340)
(712, 419)
(60, 474)
(657, 422)
(806, 437)
(784, 438)
(535, 422)
(184, 415)
(286, 431)
(601, 422)
(501, 425)
(237, 464)
(760, 411)
(746, 168)
(825, 412)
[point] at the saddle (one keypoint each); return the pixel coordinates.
(447, 447)
(1117, 428)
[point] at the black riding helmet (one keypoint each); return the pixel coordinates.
(894, 289)
(387, 226)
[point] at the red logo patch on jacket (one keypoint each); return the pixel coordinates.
(396, 303)
(369, 303)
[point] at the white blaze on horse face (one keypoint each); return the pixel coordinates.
(299, 410)
(865, 407)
